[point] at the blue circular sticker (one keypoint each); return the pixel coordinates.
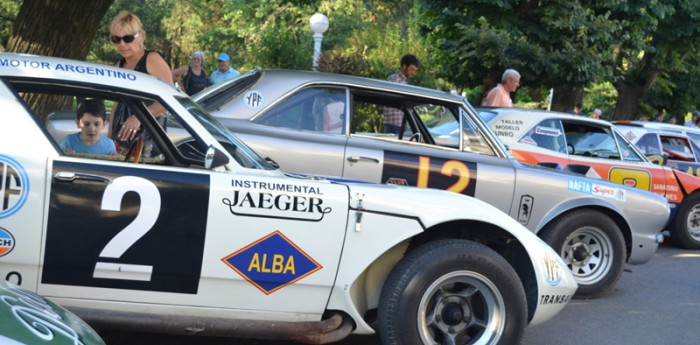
(14, 186)
(7, 242)
(254, 99)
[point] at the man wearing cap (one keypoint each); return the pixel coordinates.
(693, 122)
(596, 113)
(224, 72)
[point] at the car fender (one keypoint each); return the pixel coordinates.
(689, 183)
(384, 235)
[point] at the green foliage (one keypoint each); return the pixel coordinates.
(8, 12)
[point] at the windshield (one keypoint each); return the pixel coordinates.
(243, 154)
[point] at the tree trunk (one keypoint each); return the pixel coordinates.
(61, 28)
(566, 97)
(629, 96)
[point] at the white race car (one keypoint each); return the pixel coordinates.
(187, 231)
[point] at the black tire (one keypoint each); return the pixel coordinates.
(593, 248)
(685, 227)
(452, 289)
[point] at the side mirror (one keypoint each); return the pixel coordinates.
(214, 158)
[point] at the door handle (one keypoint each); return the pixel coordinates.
(355, 159)
(64, 176)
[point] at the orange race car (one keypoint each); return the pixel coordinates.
(597, 148)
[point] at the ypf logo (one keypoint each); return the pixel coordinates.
(14, 186)
(7, 242)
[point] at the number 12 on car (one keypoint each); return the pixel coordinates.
(424, 171)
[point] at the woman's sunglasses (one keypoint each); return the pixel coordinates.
(126, 38)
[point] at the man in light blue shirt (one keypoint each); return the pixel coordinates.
(224, 72)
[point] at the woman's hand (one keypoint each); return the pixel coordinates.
(129, 128)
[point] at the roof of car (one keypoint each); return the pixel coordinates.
(42, 67)
(539, 114)
(273, 84)
(661, 126)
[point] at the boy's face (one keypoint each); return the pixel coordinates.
(90, 126)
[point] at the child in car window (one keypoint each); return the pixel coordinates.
(91, 119)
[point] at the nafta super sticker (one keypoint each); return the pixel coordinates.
(602, 190)
(272, 263)
(14, 186)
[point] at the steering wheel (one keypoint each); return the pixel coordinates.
(135, 150)
(571, 149)
(416, 137)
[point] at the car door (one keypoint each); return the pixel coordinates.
(439, 148)
(612, 157)
(167, 233)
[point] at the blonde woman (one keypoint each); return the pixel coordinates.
(127, 35)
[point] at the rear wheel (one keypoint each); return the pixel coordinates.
(452, 292)
(685, 228)
(593, 248)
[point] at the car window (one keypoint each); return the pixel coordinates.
(547, 134)
(590, 141)
(165, 141)
(318, 109)
(369, 109)
(677, 148)
(628, 153)
(696, 150)
(694, 136)
(649, 144)
(441, 123)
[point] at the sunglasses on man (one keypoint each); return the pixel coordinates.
(126, 38)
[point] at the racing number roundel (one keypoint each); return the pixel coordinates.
(14, 186)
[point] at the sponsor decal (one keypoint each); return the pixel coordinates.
(78, 69)
(586, 187)
(397, 181)
(507, 127)
(14, 186)
(553, 271)
(528, 140)
(630, 136)
(276, 200)
(7, 242)
(429, 172)
(254, 99)
(554, 299)
(526, 204)
(548, 131)
(272, 263)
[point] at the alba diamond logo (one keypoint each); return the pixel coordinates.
(272, 263)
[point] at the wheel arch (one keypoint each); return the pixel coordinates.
(612, 214)
(490, 235)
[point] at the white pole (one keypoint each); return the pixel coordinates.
(318, 37)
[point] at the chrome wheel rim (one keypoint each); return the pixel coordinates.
(589, 255)
(461, 307)
(693, 223)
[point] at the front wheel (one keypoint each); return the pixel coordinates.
(685, 228)
(593, 248)
(452, 292)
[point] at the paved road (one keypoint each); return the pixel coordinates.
(655, 303)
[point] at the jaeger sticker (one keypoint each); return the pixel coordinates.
(272, 263)
(14, 186)
(276, 200)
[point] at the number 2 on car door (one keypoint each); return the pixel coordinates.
(144, 221)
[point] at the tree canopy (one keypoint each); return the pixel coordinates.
(632, 57)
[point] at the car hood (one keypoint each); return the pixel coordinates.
(27, 318)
